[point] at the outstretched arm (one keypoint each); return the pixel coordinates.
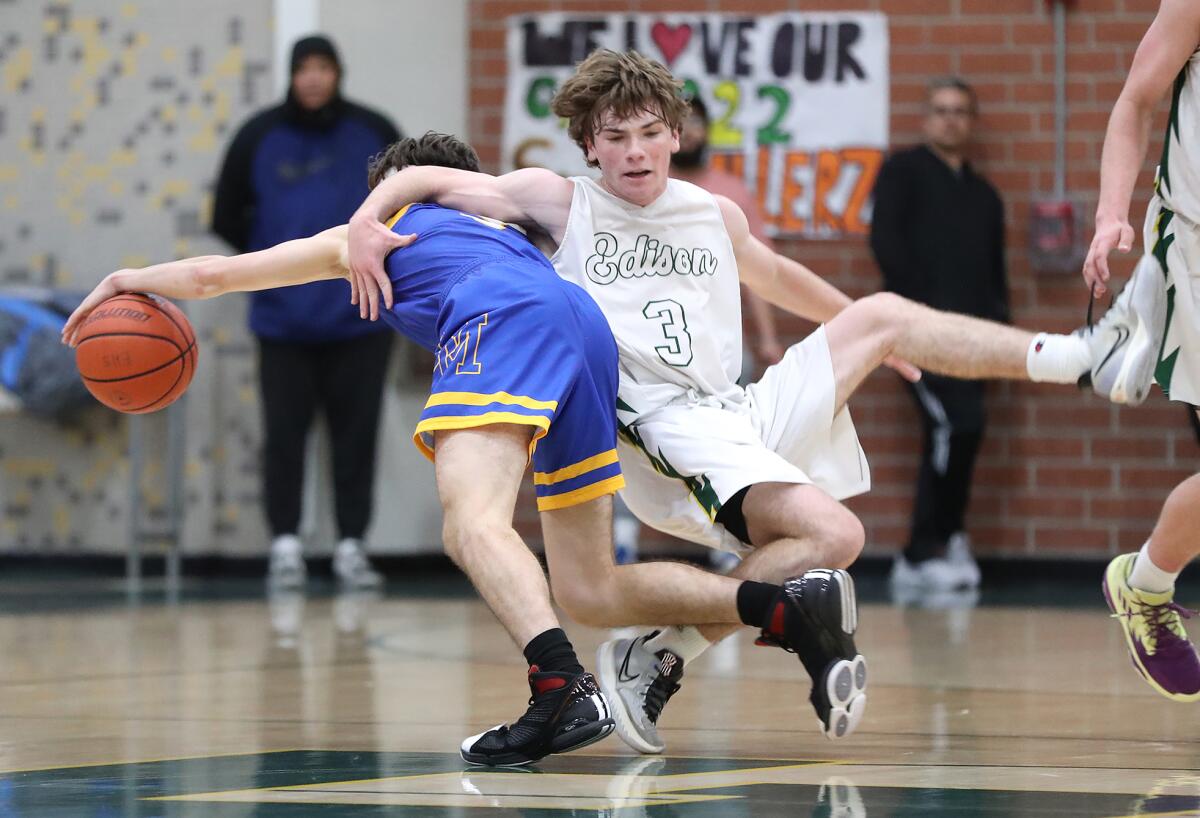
(1165, 49)
(528, 196)
(777, 279)
(788, 283)
(318, 257)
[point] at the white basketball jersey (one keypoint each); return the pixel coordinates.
(665, 277)
(1179, 171)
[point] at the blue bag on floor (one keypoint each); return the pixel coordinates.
(34, 364)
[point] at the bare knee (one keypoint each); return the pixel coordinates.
(466, 538)
(587, 601)
(846, 537)
(883, 314)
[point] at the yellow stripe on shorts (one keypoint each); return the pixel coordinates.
(574, 470)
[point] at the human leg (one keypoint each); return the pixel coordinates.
(1139, 589)
(952, 414)
(479, 472)
(351, 385)
(287, 387)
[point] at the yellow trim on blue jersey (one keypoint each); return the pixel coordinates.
(480, 399)
(399, 215)
(575, 469)
(578, 496)
(437, 424)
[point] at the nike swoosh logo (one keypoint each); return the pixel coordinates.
(623, 671)
(1123, 334)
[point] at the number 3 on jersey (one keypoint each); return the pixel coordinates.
(669, 314)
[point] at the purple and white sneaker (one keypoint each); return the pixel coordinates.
(1153, 627)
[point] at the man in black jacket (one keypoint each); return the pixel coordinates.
(938, 236)
(292, 171)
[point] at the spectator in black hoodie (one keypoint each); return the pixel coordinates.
(293, 170)
(938, 236)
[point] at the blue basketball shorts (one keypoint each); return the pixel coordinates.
(517, 344)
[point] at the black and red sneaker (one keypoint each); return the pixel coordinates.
(566, 711)
(815, 616)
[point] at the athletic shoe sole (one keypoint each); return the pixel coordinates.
(1122, 615)
(606, 661)
(1149, 304)
(845, 686)
(574, 739)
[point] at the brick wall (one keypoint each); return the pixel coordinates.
(1061, 473)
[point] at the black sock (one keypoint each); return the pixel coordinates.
(552, 651)
(754, 600)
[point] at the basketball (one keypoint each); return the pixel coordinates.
(136, 353)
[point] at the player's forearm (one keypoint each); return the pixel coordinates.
(293, 262)
(763, 317)
(1125, 146)
(183, 279)
(802, 292)
(410, 185)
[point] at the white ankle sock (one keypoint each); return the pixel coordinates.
(685, 642)
(1146, 576)
(1057, 358)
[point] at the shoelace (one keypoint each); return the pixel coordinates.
(1160, 625)
(1092, 303)
(657, 694)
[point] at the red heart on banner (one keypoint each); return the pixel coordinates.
(670, 39)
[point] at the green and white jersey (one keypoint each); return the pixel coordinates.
(665, 277)
(1178, 183)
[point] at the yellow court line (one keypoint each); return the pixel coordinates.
(480, 399)
(575, 469)
(581, 495)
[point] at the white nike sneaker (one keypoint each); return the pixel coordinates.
(1125, 342)
(637, 684)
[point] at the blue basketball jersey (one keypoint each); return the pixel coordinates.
(513, 343)
(448, 244)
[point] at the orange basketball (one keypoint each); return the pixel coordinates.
(136, 353)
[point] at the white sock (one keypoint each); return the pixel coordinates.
(286, 544)
(1057, 358)
(1146, 576)
(686, 642)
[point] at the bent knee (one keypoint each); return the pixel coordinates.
(882, 313)
(462, 535)
(845, 539)
(586, 603)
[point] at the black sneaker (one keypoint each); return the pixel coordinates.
(566, 711)
(815, 616)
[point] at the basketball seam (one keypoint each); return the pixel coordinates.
(139, 298)
(181, 355)
(150, 406)
(190, 336)
(168, 339)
